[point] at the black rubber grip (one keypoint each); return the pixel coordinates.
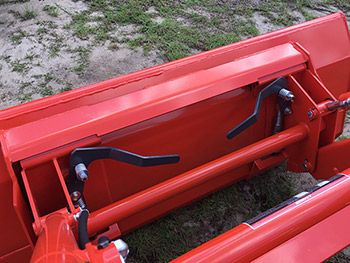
(82, 229)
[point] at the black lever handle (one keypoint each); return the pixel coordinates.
(88, 155)
(81, 158)
(280, 87)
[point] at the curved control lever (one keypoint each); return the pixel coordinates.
(279, 87)
(81, 158)
(88, 155)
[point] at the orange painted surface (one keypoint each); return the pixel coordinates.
(184, 107)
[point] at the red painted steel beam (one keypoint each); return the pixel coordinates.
(332, 158)
(319, 242)
(125, 110)
(114, 212)
(245, 242)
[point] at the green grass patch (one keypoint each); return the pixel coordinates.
(27, 14)
(55, 46)
(342, 4)
(24, 97)
(42, 30)
(218, 40)
(278, 12)
(199, 19)
(20, 67)
(46, 91)
(342, 137)
(44, 87)
(51, 10)
(16, 38)
(65, 88)
(82, 60)
(25, 92)
(79, 25)
(186, 26)
(173, 38)
(307, 15)
(31, 56)
(188, 227)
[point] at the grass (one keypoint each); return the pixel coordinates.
(25, 95)
(342, 137)
(46, 91)
(55, 45)
(82, 59)
(16, 37)
(42, 85)
(79, 25)
(342, 4)
(185, 26)
(218, 40)
(27, 14)
(20, 67)
(188, 227)
(42, 30)
(172, 38)
(51, 10)
(65, 88)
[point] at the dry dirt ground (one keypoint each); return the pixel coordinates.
(48, 47)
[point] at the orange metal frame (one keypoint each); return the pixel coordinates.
(185, 107)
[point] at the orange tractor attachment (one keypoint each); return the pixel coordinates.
(80, 169)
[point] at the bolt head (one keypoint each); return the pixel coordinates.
(290, 96)
(288, 111)
(286, 94)
(82, 176)
(310, 114)
(75, 196)
(81, 172)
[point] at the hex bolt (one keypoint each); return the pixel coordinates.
(75, 196)
(312, 114)
(81, 172)
(286, 94)
(287, 111)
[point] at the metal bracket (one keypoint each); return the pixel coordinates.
(279, 87)
(81, 158)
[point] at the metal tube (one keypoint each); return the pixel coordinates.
(245, 243)
(122, 209)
